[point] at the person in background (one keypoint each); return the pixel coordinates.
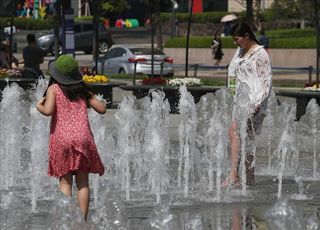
(5, 56)
(251, 67)
(7, 31)
(33, 56)
(72, 149)
(263, 39)
(216, 47)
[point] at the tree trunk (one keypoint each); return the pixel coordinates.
(158, 24)
(249, 16)
(257, 15)
(96, 17)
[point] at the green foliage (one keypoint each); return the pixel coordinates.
(28, 23)
(84, 18)
(289, 9)
(205, 17)
(291, 38)
(290, 33)
(293, 43)
(114, 5)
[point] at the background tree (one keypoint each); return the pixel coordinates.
(114, 5)
(154, 15)
(249, 10)
(293, 9)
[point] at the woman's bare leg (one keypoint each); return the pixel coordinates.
(65, 184)
(249, 154)
(82, 182)
(234, 152)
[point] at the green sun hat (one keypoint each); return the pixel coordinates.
(65, 70)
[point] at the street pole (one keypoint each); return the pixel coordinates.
(174, 8)
(188, 37)
(317, 19)
(11, 41)
(173, 30)
(96, 18)
(152, 39)
(57, 23)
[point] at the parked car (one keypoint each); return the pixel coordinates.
(83, 38)
(121, 59)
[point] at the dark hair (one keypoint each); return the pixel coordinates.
(31, 38)
(216, 36)
(242, 29)
(73, 92)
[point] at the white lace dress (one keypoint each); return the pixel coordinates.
(254, 70)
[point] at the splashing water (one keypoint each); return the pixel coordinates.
(283, 215)
(286, 144)
(129, 139)
(39, 136)
(13, 119)
(157, 143)
(187, 137)
(241, 113)
(144, 166)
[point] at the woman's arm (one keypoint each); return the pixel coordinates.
(98, 106)
(264, 75)
(46, 105)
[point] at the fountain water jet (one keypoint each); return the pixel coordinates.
(129, 152)
(187, 138)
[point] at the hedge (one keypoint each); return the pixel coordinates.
(205, 17)
(28, 24)
(291, 38)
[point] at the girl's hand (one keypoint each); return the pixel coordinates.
(42, 101)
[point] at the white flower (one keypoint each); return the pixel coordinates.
(311, 89)
(185, 81)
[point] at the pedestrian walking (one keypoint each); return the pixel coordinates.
(216, 47)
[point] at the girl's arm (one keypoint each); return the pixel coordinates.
(47, 104)
(98, 106)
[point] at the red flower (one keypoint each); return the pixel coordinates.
(154, 81)
(85, 71)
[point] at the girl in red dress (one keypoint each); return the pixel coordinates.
(72, 150)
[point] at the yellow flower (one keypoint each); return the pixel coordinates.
(99, 78)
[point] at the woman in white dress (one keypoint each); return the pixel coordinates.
(251, 68)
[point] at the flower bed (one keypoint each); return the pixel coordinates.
(95, 79)
(185, 81)
(90, 77)
(10, 73)
(172, 82)
(312, 87)
(154, 81)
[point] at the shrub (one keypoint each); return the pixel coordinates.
(205, 17)
(290, 38)
(28, 23)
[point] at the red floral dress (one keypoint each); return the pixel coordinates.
(72, 145)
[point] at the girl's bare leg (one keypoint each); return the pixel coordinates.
(82, 182)
(65, 184)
